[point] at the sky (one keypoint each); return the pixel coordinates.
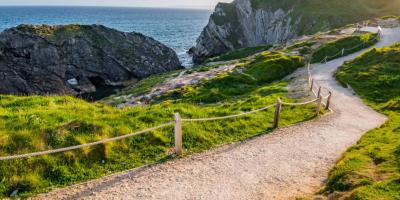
(201, 4)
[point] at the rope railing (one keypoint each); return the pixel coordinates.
(300, 104)
(311, 81)
(85, 145)
(178, 120)
(229, 116)
(342, 52)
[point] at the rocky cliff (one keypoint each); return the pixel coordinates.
(75, 59)
(246, 23)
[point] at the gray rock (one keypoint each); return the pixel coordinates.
(75, 59)
(248, 23)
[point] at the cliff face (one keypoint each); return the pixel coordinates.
(247, 23)
(75, 59)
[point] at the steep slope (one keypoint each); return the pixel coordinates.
(75, 59)
(246, 23)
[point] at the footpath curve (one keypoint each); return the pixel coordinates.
(289, 162)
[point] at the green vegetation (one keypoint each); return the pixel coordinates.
(99, 36)
(239, 54)
(37, 123)
(304, 48)
(145, 85)
(330, 14)
(351, 44)
(371, 169)
(390, 17)
(265, 68)
(300, 45)
(58, 34)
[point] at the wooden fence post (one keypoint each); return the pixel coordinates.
(328, 101)
(319, 102)
(312, 84)
(178, 134)
(278, 108)
(319, 92)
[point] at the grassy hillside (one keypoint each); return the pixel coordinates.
(371, 169)
(320, 15)
(239, 54)
(37, 123)
(351, 44)
(265, 68)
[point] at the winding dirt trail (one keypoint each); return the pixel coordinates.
(287, 163)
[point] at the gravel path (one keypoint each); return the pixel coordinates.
(289, 162)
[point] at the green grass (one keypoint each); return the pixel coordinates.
(300, 45)
(239, 54)
(322, 15)
(145, 85)
(37, 123)
(351, 44)
(264, 69)
(371, 169)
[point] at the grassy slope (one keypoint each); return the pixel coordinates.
(348, 43)
(37, 123)
(144, 86)
(371, 169)
(330, 14)
(239, 54)
(265, 68)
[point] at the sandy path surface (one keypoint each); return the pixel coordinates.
(289, 162)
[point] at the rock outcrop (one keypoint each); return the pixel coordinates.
(75, 59)
(247, 23)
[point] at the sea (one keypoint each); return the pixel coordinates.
(176, 28)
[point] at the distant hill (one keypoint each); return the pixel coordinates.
(247, 23)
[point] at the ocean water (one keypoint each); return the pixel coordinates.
(176, 28)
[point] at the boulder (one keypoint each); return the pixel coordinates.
(76, 59)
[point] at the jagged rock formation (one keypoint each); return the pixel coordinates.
(75, 59)
(247, 23)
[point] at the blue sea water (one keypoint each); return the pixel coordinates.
(177, 28)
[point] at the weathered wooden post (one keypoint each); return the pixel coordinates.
(312, 84)
(319, 102)
(379, 32)
(319, 92)
(178, 134)
(278, 108)
(342, 52)
(326, 59)
(328, 101)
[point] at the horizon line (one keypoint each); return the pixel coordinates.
(109, 6)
